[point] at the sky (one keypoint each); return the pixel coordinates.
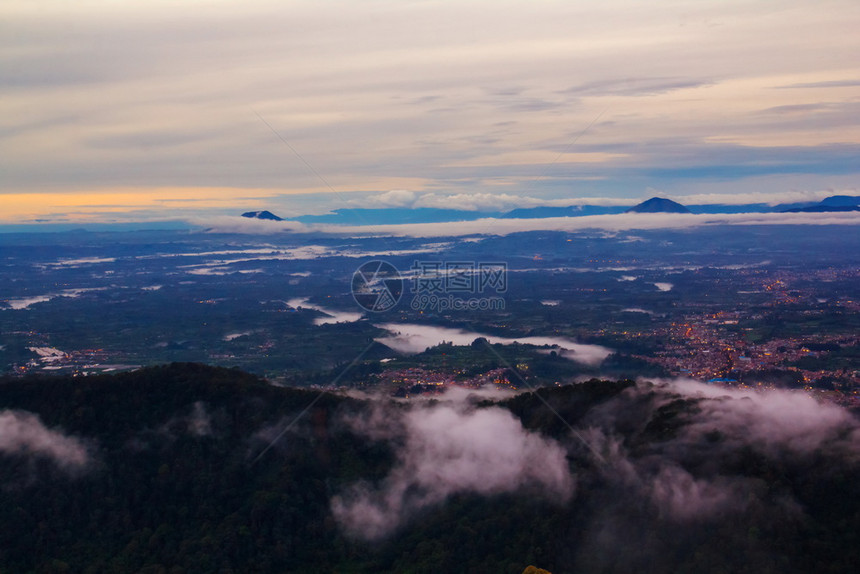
(135, 111)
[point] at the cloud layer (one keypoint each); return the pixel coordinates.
(22, 433)
(449, 449)
(411, 338)
(492, 226)
(691, 473)
(669, 452)
(118, 110)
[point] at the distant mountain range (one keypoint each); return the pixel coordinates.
(570, 211)
(658, 205)
(267, 215)
(381, 216)
(832, 203)
(395, 215)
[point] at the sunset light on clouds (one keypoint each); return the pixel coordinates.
(124, 111)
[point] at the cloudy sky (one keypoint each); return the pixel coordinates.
(118, 110)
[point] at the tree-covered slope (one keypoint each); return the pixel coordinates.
(188, 468)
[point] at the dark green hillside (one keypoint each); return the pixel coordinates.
(173, 485)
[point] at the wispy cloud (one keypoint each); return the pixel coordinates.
(446, 449)
(23, 433)
(825, 84)
(663, 453)
(635, 86)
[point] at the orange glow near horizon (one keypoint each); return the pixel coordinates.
(99, 205)
(94, 205)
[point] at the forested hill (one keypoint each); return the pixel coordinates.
(180, 468)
